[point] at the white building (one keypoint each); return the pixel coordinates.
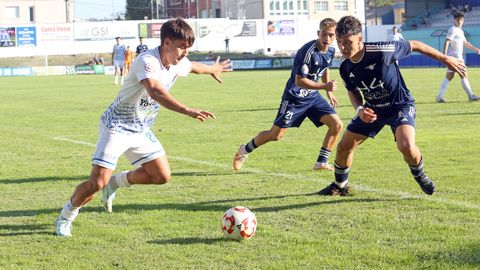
(35, 11)
(278, 9)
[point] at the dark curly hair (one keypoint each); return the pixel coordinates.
(177, 29)
(348, 26)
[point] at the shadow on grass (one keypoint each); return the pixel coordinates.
(217, 205)
(467, 256)
(17, 230)
(43, 179)
(186, 241)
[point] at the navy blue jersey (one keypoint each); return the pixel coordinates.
(309, 63)
(377, 74)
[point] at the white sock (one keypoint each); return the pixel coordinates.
(466, 87)
(121, 80)
(120, 179)
(69, 212)
(116, 79)
(443, 87)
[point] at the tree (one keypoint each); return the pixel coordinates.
(138, 9)
(375, 4)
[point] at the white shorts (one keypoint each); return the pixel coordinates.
(118, 63)
(139, 148)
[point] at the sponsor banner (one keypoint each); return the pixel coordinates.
(109, 70)
(27, 36)
(55, 32)
(16, 71)
(243, 64)
(104, 31)
(282, 63)
(149, 30)
(263, 64)
(281, 27)
(50, 70)
(249, 29)
(99, 69)
(226, 28)
(7, 37)
(84, 69)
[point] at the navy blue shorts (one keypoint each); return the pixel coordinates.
(394, 117)
(292, 112)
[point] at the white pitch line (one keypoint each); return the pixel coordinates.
(303, 177)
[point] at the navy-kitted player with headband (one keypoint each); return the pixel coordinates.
(380, 97)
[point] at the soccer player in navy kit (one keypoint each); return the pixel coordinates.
(301, 99)
(371, 75)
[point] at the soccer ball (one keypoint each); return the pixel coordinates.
(239, 223)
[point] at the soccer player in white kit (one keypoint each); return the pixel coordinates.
(118, 59)
(125, 125)
(454, 43)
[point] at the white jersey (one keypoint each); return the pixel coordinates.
(457, 39)
(119, 52)
(397, 37)
(134, 111)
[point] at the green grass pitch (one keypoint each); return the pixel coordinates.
(49, 129)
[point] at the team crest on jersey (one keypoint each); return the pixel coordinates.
(305, 69)
(371, 67)
(149, 68)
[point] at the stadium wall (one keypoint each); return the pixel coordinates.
(287, 35)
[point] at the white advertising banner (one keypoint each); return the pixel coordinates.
(105, 31)
(55, 32)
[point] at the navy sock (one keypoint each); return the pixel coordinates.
(341, 174)
(324, 155)
(417, 171)
(250, 146)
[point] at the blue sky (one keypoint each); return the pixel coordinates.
(98, 9)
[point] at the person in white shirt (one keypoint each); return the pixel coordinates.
(396, 36)
(125, 125)
(118, 59)
(454, 43)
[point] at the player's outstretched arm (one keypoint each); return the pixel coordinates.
(451, 62)
(161, 95)
(214, 70)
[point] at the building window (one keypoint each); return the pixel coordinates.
(285, 5)
(12, 12)
(272, 5)
(341, 5)
(290, 5)
(277, 5)
(32, 14)
(305, 5)
(321, 6)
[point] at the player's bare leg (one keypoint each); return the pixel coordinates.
(334, 124)
(274, 134)
(343, 161)
(156, 171)
(405, 136)
(83, 193)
